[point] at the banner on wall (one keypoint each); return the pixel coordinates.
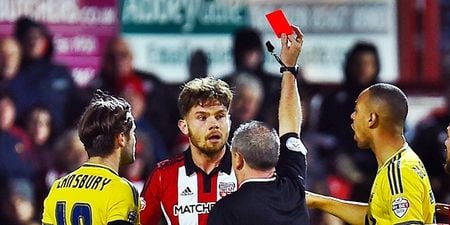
(163, 34)
(80, 29)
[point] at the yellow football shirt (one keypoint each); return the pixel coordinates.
(401, 192)
(92, 194)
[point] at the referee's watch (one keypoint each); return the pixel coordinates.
(293, 69)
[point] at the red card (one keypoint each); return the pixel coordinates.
(279, 23)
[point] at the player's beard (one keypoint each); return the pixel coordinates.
(204, 146)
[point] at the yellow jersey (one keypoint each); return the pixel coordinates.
(92, 194)
(401, 192)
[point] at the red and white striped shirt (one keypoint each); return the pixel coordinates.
(184, 193)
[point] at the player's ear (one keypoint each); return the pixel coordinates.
(373, 120)
(121, 139)
(183, 126)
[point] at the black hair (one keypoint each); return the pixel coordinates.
(395, 100)
(360, 47)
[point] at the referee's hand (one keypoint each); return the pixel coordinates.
(291, 46)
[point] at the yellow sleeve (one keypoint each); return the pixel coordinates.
(124, 203)
(48, 215)
(409, 196)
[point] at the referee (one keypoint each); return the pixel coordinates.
(266, 197)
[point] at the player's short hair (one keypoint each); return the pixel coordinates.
(201, 90)
(258, 144)
(104, 118)
(395, 100)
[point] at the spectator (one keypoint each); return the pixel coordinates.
(351, 171)
(68, 154)
(23, 202)
(40, 81)
(248, 96)
(14, 167)
(135, 95)
(16, 207)
(428, 140)
(150, 147)
(248, 58)
(9, 60)
(117, 73)
(198, 64)
(13, 143)
(39, 153)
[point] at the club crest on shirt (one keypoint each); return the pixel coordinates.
(400, 206)
(226, 188)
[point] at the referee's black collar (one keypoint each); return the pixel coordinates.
(224, 166)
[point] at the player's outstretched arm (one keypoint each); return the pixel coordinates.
(289, 111)
(351, 212)
(443, 209)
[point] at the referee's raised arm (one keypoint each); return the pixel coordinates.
(289, 110)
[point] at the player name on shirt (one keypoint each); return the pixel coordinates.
(84, 181)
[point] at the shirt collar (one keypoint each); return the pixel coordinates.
(259, 180)
(389, 160)
(224, 165)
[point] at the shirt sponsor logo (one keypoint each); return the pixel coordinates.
(199, 208)
(187, 191)
(226, 188)
(400, 206)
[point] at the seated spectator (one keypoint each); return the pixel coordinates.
(40, 81)
(9, 60)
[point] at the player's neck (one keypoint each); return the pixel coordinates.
(107, 161)
(385, 149)
(206, 162)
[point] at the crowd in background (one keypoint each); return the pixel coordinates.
(40, 105)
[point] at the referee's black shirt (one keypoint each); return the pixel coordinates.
(275, 201)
